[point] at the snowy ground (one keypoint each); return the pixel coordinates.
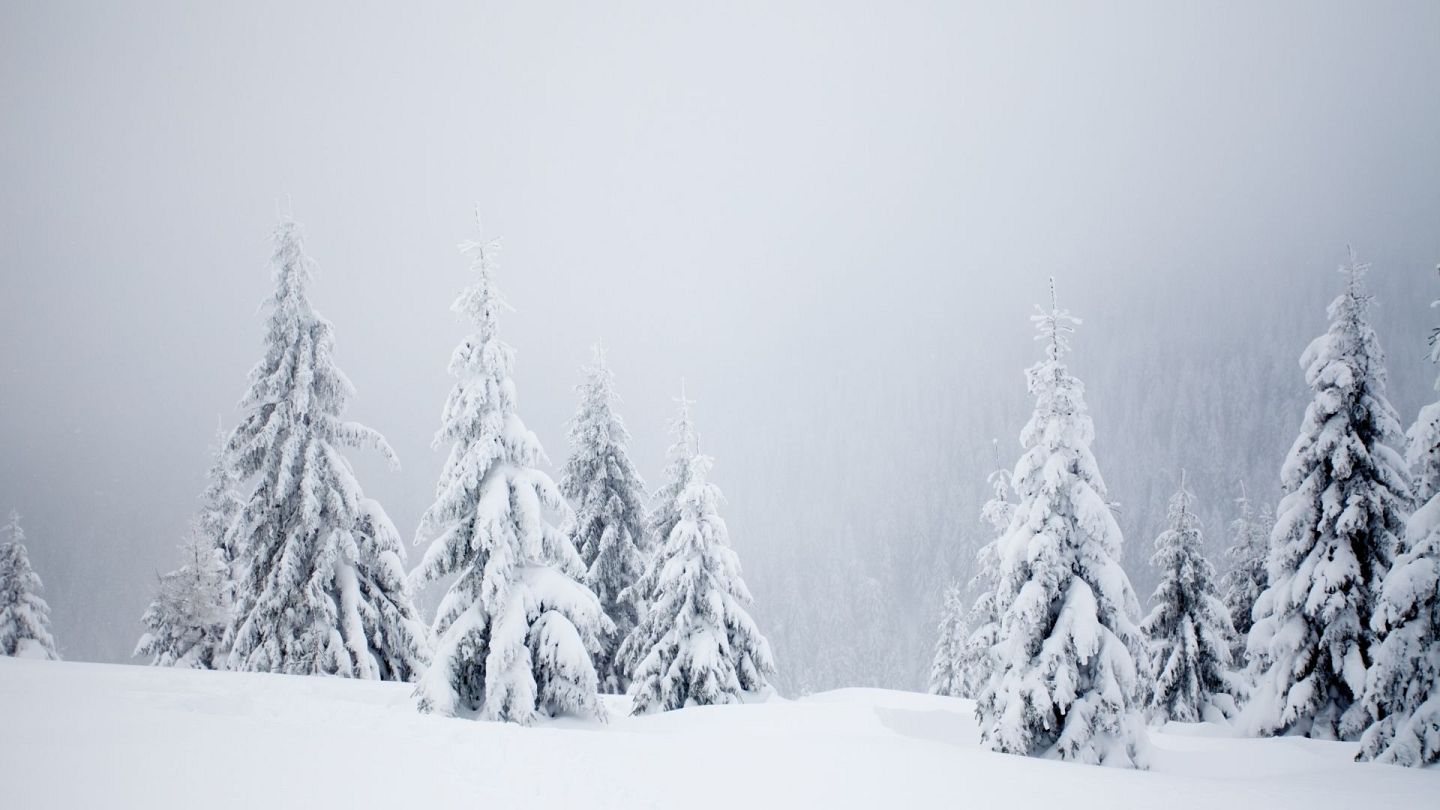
(92, 735)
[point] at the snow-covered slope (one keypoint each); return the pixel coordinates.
(90, 735)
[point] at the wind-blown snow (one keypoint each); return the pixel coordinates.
(97, 735)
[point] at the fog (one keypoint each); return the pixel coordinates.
(832, 220)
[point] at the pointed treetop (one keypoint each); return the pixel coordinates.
(999, 477)
(293, 269)
(598, 381)
(1355, 270)
(482, 300)
(1243, 501)
(221, 437)
(1054, 325)
(1183, 496)
(682, 425)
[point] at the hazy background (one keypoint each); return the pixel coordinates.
(831, 219)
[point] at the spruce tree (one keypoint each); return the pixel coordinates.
(976, 663)
(947, 668)
(696, 645)
(665, 503)
(609, 516)
(24, 615)
(1335, 535)
(185, 623)
(1243, 583)
(220, 503)
(320, 585)
(516, 631)
(1064, 679)
(663, 516)
(1402, 688)
(1188, 632)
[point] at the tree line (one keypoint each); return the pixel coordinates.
(1326, 622)
(1326, 625)
(555, 593)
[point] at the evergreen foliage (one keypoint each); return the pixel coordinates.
(607, 493)
(24, 615)
(1336, 533)
(1188, 632)
(1064, 680)
(320, 576)
(517, 628)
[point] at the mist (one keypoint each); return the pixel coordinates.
(832, 221)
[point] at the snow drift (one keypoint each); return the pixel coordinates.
(94, 735)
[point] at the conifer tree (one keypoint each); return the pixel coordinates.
(665, 504)
(663, 516)
(1189, 632)
(185, 623)
(24, 615)
(516, 631)
(320, 585)
(696, 645)
(976, 664)
(1243, 583)
(1402, 688)
(1064, 679)
(220, 503)
(609, 516)
(947, 668)
(1335, 535)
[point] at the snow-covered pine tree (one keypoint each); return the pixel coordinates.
(185, 623)
(983, 622)
(1402, 688)
(517, 629)
(609, 514)
(1243, 583)
(220, 503)
(1189, 630)
(696, 644)
(24, 615)
(665, 503)
(1064, 679)
(664, 514)
(1335, 536)
(320, 585)
(947, 668)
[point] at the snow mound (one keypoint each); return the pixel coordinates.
(91, 735)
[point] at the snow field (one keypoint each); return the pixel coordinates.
(93, 735)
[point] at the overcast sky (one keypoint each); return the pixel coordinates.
(826, 217)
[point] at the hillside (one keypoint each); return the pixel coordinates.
(93, 735)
